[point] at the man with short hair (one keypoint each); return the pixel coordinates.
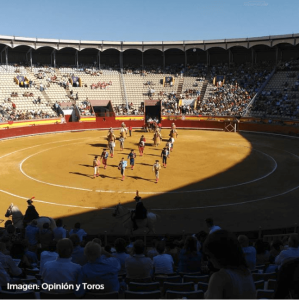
(78, 256)
(291, 252)
(162, 263)
(249, 251)
(79, 231)
(138, 266)
(210, 225)
(59, 232)
(62, 270)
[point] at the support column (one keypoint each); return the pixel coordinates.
(207, 57)
(230, 59)
(98, 58)
(6, 57)
(76, 59)
(252, 56)
(164, 60)
(121, 60)
(53, 58)
(277, 54)
(185, 58)
(142, 60)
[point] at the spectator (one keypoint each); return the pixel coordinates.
(162, 263)
(8, 263)
(210, 225)
(249, 251)
(291, 252)
(152, 251)
(276, 248)
(77, 230)
(31, 234)
(48, 255)
(234, 279)
(62, 270)
(59, 232)
(78, 256)
(121, 254)
(138, 266)
(100, 269)
(189, 257)
(262, 254)
(45, 236)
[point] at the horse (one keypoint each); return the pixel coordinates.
(157, 138)
(123, 215)
(173, 133)
(17, 218)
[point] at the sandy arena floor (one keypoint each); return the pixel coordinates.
(242, 180)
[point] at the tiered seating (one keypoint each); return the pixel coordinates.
(280, 97)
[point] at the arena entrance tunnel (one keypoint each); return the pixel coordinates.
(242, 180)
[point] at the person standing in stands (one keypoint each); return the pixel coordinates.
(132, 157)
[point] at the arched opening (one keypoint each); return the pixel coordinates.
(42, 56)
(88, 56)
(110, 58)
(153, 57)
(132, 58)
(17, 55)
(218, 56)
(287, 51)
(240, 55)
(196, 56)
(174, 57)
(66, 57)
(264, 53)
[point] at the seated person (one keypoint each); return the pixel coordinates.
(140, 212)
(163, 263)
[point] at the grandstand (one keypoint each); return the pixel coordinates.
(260, 93)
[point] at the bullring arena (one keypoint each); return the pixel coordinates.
(243, 180)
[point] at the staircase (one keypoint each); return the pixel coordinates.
(204, 87)
(123, 88)
(179, 89)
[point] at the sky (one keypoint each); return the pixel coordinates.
(155, 20)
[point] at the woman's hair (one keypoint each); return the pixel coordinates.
(190, 245)
(120, 245)
(225, 248)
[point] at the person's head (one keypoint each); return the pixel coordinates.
(29, 202)
(190, 244)
(7, 223)
(224, 250)
(11, 229)
(52, 246)
(260, 246)
(120, 245)
(157, 161)
(243, 240)
(293, 240)
(59, 222)
(209, 222)
(77, 225)
(64, 248)
(132, 150)
(75, 240)
(160, 247)
(92, 251)
(96, 157)
(46, 226)
(122, 158)
(138, 247)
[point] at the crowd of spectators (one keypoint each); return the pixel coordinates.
(121, 110)
(59, 256)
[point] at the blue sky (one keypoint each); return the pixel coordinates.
(155, 20)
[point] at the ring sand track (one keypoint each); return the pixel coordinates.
(242, 180)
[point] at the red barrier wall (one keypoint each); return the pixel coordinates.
(108, 122)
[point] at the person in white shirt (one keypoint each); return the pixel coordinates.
(162, 263)
(291, 252)
(210, 225)
(48, 255)
(59, 232)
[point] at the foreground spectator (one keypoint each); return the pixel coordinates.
(77, 230)
(59, 232)
(62, 270)
(249, 252)
(100, 269)
(234, 279)
(162, 263)
(121, 255)
(78, 256)
(291, 252)
(31, 234)
(210, 225)
(48, 255)
(138, 266)
(8, 263)
(189, 257)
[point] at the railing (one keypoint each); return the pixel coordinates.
(259, 92)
